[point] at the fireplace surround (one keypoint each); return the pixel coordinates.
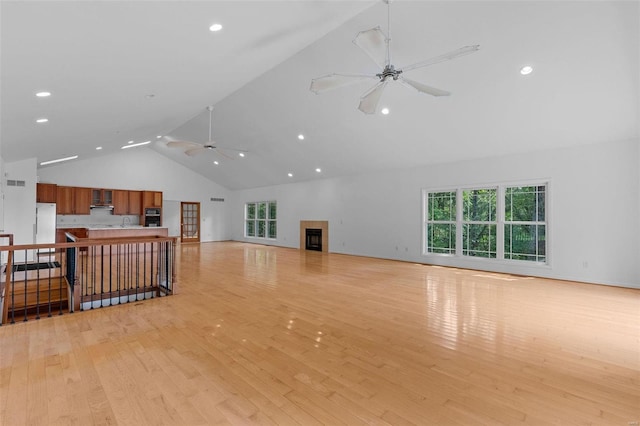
(319, 234)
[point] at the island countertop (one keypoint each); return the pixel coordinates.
(127, 231)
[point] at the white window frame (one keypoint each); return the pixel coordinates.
(267, 220)
(500, 222)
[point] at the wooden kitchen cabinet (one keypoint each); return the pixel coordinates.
(73, 200)
(101, 197)
(120, 202)
(152, 199)
(135, 202)
(46, 193)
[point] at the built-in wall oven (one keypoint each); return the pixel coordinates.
(153, 217)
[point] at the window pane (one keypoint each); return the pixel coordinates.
(251, 228)
(522, 204)
(261, 228)
(272, 210)
(262, 210)
(541, 204)
(272, 229)
(251, 211)
(479, 205)
(525, 242)
(442, 206)
(441, 238)
(479, 240)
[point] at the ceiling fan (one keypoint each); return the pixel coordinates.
(193, 148)
(378, 47)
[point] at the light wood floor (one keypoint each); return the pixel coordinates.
(277, 336)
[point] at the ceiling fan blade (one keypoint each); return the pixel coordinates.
(374, 43)
(424, 88)
(195, 151)
(369, 101)
(333, 81)
(182, 144)
(444, 57)
(221, 152)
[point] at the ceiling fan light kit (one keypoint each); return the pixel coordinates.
(377, 46)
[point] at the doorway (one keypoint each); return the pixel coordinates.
(190, 222)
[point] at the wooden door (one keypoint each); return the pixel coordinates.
(190, 222)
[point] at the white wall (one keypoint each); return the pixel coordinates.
(145, 169)
(594, 210)
(20, 204)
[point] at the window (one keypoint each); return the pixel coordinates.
(260, 219)
(441, 222)
(479, 223)
(506, 222)
(525, 223)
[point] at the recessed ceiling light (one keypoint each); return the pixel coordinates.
(215, 27)
(526, 70)
(42, 120)
(132, 145)
(301, 136)
(216, 162)
(385, 111)
(158, 137)
(290, 174)
(150, 96)
(98, 148)
(130, 142)
(241, 154)
(318, 170)
(43, 94)
(59, 160)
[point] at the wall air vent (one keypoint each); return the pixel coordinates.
(20, 183)
(13, 182)
(217, 199)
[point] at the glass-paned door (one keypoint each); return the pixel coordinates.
(190, 222)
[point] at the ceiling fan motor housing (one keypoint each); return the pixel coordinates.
(389, 71)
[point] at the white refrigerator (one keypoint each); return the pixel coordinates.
(45, 224)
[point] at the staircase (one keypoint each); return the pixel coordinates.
(41, 290)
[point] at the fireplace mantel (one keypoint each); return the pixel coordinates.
(315, 224)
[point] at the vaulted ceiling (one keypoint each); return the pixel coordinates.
(124, 71)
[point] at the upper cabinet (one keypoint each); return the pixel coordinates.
(101, 197)
(127, 202)
(152, 199)
(73, 200)
(46, 193)
(135, 202)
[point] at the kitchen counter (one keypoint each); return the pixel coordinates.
(127, 231)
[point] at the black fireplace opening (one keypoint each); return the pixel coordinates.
(313, 239)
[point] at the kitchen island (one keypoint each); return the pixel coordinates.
(126, 231)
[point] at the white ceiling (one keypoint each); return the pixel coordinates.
(101, 59)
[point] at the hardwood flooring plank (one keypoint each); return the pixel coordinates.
(269, 335)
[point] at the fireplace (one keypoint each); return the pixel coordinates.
(313, 239)
(314, 235)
